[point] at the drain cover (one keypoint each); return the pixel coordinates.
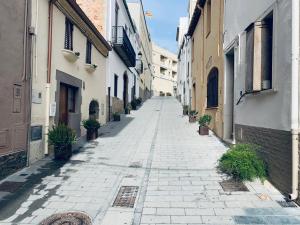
(233, 185)
(70, 218)
(126, 196)
(136, 165)
(287, 204)
(10, 186)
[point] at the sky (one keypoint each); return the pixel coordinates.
(165, 19)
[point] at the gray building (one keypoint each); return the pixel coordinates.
(14, 84)
(261, 44)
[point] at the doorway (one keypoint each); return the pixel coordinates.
(125, 90)
(229, 96)
(67, 102)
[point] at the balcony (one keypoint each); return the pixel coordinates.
(123, 46)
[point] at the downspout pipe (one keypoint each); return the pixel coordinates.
(48, 84)
(295, 99)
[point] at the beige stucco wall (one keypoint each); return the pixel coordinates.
(164, 82)
(94, 83)
(208, 54)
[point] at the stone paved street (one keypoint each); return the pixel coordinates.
(158, 150)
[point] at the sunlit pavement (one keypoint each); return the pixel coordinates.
(161, 153)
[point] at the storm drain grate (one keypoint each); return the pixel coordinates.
(126, 196)
(10, 186)
(233, 185)
(287, 204)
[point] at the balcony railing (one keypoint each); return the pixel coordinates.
(123, 46)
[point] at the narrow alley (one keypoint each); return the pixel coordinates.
(157, 154)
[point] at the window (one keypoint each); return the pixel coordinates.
(212, 88)
(71, 99)
(259, 52)
(88, 58)
(208, 17)
(116, 86)
(69, 35)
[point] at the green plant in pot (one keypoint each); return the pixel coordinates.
(204, 121)
(134, 104)
(193, 116)
(116, 117)
(62, 137)
(127, 108)
(91, 126)
(185, 110)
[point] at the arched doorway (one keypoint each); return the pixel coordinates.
(94, 110)
(213, 88)
(125, 89)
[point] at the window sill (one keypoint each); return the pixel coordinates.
(265, 92)
(71, 56)
(212, 108)
(90, 68)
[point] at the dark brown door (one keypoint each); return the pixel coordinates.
(63, 104)
(125, 90)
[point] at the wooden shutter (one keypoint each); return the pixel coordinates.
(249, 58)
(69, 35)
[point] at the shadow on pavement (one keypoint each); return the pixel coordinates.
(114, 128)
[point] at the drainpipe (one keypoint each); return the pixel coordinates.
(48, 84)
(295, 98)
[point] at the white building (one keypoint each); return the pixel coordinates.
(138, 14)
(69, 60)
(165, 71)
(261, 44)
(113, 19)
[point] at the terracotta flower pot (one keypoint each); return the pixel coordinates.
(203, 130)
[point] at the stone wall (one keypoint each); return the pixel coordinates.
(12, 163)
(276, 150)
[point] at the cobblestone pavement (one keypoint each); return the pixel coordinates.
(157, 150)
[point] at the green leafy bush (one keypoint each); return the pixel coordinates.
(204, 120)
(242, 163)
(91, 124)
(62, 137)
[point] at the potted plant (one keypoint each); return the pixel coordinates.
(127, 108)
(204, 121)
(139, 101)
(116, 117)
(91, 126)
(61, 138)
(134, 104)
(185, 110)
(193, 116)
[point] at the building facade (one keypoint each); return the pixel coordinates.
(15, 71)
(69, 72)
(165, 72)
(261, 45)
(117, 26)
(205, 33)
(145, 48)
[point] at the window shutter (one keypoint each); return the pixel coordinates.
(88, 58)
(249, 58)
(69, 35)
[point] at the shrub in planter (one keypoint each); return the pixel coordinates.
(61, 138)
(127, 109)
(242, 163)
(117, 117)
(185, 110)
(91, 126)
(139, 101)
(134, 104)
(204, 121)
(193, 116)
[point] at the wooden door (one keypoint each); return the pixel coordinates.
(63, 104)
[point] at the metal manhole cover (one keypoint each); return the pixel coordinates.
(70, 218)
(287, 204)
(10, 186)
(126, 196)
(233, 185)
(136, 165)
